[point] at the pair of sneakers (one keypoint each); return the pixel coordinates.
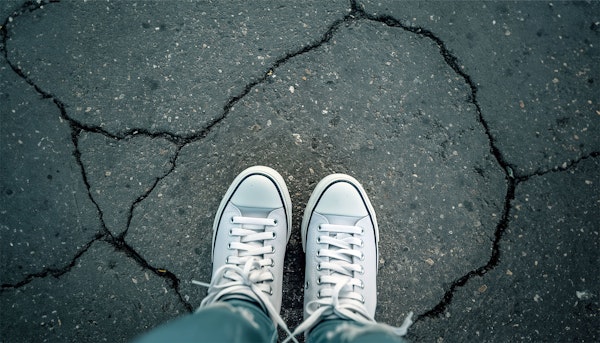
(339, 236)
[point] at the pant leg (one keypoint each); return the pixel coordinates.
(228, 321)
(346, 331)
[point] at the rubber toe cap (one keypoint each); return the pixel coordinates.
(257, 191)
(342, 199)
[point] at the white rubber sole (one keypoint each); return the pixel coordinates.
(270, 173)
(318, 192)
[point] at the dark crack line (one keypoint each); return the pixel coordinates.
(181, 140)
(178, 139)
(76, 128)
(355, 14)
(494, 260)
(568, 166)
(119, 242)
(173, 280)
(55, 272)
(157, 180)
(512, 180)
(325, 38)
(452, 62)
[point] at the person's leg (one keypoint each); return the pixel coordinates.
(346, 331)
(340, 236)
(226, 321)
(250, 232)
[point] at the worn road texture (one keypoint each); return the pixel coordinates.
(474, 127)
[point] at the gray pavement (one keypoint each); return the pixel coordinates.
(474, 127)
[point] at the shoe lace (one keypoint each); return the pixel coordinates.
(341, 299)
(248, 269)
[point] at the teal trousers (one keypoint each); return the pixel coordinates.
(244, 321)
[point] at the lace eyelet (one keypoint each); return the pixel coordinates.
(274, 235)
(272, 249)
(362, 231)
(319, 240)
(319, 228)
(362, 257)
(275, 221)
(362, 243)
(319, 281)
(230, 232)
(319, 253)
(362, 284)
(319, 266)
(319, 294)
(272, 263)
(362, 270)
(231, 220)
(362, 300)
(229, 245)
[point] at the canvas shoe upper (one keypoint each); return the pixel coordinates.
(250, 232)
(340, 236)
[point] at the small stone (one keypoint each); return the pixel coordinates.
(297, 139)
(583, 295)
(482, 288)
(429, 261)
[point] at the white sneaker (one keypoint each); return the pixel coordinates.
(250, 233)
(340, 236)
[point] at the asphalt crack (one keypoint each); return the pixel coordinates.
(76, 129)
(567, 165)
(512, 181)
(355, 14)
(55, 272)
(452, 61)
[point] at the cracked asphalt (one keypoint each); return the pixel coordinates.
(474, 127)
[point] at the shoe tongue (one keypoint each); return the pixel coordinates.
(341, 220)
(255, 212)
